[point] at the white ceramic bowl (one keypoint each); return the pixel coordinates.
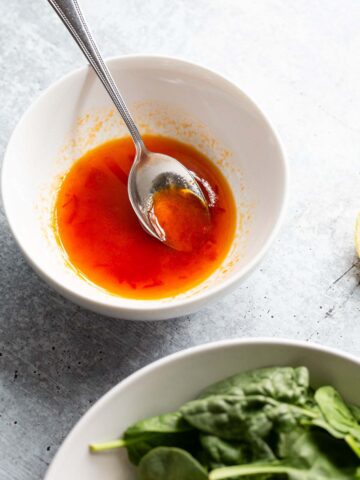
(170, 382)
(167, 96)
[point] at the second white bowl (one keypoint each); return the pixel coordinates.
(168, 383)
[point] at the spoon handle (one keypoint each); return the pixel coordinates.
(71, 15)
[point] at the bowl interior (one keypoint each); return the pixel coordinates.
(167, 384)
(167, 97)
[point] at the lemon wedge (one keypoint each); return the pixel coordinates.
(357, 235)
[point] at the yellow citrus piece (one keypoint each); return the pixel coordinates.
(357, 234)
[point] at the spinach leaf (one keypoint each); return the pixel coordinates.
(340, 419)
(240, 418)
(257, 425)
(218, 452)
(167, 423)
(165, 463)
(282, 383)
(336, 412)
(225, 452)
(319, 454)
(355, 410)
(261, 450)
(307, 456)
(136, 449)
(169, 430)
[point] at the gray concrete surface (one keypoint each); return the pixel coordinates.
(300, 61)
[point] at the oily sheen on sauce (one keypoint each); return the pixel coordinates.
(103, 239)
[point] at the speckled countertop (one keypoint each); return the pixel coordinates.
(300, 62)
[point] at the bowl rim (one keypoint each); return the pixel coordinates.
(111, 303)
(190, 352)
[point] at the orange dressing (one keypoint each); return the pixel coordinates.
(183, 218)
(105, 242)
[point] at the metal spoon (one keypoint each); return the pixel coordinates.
(150, 171)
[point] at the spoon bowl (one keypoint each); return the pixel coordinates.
(152, 173)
